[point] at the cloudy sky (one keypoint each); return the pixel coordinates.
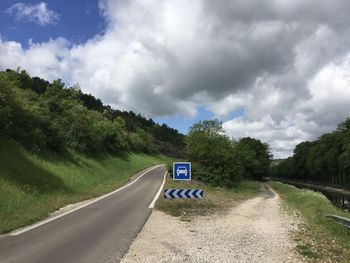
(277, 70)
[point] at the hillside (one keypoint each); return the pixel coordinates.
(60, 146)
(50, 116)
(33, 185)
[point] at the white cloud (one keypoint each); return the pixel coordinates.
(48, 59)
(38, 13)
(307, 117)
(284, 62)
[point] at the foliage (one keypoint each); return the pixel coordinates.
(139, 140)
(254, 156)
(220, 161)
(48, 116)
(325, 160)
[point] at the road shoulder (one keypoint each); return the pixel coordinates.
(256, 230)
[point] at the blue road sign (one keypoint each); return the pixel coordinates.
(182, 171)
(183, 193)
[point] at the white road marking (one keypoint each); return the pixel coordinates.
(25, 229)
(158, 193)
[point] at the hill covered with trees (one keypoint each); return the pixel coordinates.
(44, 115)
(325, 160)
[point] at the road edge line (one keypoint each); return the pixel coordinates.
(45, 221)
(151, 206)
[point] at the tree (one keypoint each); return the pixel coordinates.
(301, 154)
(48, 116)
(9, 105)
(255, 157)
(214, 152)
(325, 160)
(345, 125)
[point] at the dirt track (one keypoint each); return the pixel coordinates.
(255, 231)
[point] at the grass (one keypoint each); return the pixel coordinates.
(215, 199)
(306, 251)
(320, 239)
(33, 186)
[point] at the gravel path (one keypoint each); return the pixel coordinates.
(255, 231)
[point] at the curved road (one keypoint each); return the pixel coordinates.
(99, 232)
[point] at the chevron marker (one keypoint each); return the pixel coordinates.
(183, 193)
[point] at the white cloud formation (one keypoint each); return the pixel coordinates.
(272, 117)
(38, 13)
(285, 63)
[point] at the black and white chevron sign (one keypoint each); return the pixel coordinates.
(183, 193)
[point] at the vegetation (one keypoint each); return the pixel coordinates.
(216, 199)
(45, 116)
(59, 145)
(221, 161)
(326, 160)
(34, 185)
(320, 238)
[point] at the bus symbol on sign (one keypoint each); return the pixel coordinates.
(182, 171)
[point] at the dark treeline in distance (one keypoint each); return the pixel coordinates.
(325, 160)
(49, 116)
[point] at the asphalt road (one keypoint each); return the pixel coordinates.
(99, 232)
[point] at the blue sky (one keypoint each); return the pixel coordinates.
(182, 123)
(79, 20)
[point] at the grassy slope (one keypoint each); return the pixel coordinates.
(215, 198)
(31, 186)
(321, 239)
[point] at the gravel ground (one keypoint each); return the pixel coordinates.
(257, 230)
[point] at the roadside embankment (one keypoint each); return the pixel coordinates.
(33, 186)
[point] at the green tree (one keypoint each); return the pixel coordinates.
(48, 116)
(325, 160)
(301, 154)
(214, 152)
(8, 104)
(255, 157)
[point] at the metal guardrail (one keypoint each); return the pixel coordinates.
(344, 221)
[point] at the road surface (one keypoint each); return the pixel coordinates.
(99, 232)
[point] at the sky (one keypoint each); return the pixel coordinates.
(275, 70)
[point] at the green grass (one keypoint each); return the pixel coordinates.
(215, 199)
(32, 186)
(320, 239)
(306, 251)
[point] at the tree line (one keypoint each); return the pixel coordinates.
(325, 160)
(222, 161)
(43, 115)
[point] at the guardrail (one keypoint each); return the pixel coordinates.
(344, 221)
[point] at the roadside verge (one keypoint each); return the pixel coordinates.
(216, 199)
(319, 238)
(237, 226)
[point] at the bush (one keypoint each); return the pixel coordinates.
(221, 161)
